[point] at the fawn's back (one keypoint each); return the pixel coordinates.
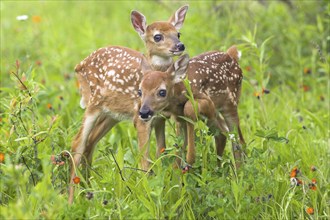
(109, 79)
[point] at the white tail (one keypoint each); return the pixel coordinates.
(109, 80)
(216, 80)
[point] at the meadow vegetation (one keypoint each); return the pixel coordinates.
(284, 113)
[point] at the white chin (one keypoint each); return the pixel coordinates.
(177, 53)
(145, 119)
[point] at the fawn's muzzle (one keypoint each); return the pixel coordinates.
(145, 113)
(180, 46)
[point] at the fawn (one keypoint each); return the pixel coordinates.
(109, 80)
(215, 79)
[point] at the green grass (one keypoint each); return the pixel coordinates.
(285, 49)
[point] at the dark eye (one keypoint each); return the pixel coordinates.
(162, 93)
(179, 35)
(158, 37)
(140, 92)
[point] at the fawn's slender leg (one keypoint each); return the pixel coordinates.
(102, 126)
(159, 125)
(206, 108)
(181, 130)
(143, 133)
(79, 146)
(232, 120)
(220, 138)
(92, 130)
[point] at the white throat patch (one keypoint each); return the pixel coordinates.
(161, 61)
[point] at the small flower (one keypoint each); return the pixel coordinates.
(162, 150)
(307, 70)
(36, 19)
(76, 180)
(305, 88)
(295, 181)
(89, 195)
(49, 106)
(22, 17)
(299, 182)
(257, 94)
(312, 186)
(2, 157)
(314, 181)
(248, 68)
(294, 172)
(38, 63)
(232, 137)
(310, 210)
(265, 91)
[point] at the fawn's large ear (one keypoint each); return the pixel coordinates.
(179, 69)
(178, 17)
(145, 66)
(139, 23)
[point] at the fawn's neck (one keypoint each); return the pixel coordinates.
(160, 63)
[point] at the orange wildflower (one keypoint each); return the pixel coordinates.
(49, 106)
(256, 94)
(2, 157)
(36, 19)
(307, 70)
(248, 68)
(299, 182)
(76, 180)
(305, 88)
(265, 91)
(312, 186)
(294, 172)
(314, 181)
(310, 210)
(162, 150)
(38, 63)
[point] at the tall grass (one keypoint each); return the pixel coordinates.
(284, 112)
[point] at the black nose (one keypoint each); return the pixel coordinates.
(180, 46)
(145, 112)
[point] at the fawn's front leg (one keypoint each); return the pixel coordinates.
(143, 133)
(205, 108)
(159, 125)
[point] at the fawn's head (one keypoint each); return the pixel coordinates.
(162, 38)
(156, 89)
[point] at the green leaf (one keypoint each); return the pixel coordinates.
(271, 135)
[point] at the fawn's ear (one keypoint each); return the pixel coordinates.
(139, 23)
(179, 69)
(144, 65)
(178, 17)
